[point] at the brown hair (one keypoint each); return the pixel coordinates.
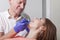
(49, 33)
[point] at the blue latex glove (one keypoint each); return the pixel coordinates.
(27, 29)
(21, 25)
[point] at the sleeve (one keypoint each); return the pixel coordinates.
(1, 27)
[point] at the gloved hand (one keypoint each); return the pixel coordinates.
(21, 25)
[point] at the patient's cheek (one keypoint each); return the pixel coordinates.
(34, 24)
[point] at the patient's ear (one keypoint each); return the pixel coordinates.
(43, 28)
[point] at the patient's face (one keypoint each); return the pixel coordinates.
(36, 23)
(36, 27)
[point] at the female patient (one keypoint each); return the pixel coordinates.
(40, 29)
(48, 31)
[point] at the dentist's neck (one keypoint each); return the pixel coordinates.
(13, 14)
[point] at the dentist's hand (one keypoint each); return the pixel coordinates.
(21, 25)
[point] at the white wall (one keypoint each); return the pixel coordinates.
(3, 5)
(33, 7)
(55, 15)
